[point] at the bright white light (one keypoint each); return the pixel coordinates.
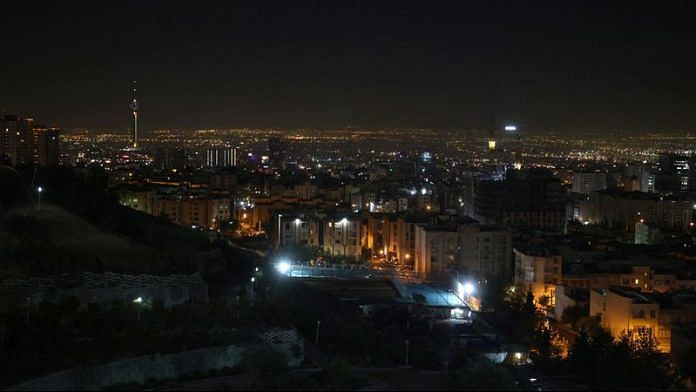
(468, 288)
(253, 279)
(344, 221)
(510, 128)
(423, 191)
(518, 356)
(40, 189)
(586, 223)
(297, 221)
(413, 192)
(138, 300)
(283, 267)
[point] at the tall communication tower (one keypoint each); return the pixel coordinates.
(134, 108)
(491, 134)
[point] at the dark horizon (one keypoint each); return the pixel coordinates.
(545, 66)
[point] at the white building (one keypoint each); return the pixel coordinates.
(589, 182)
(436, 248)
(537, 270)
(485, 251)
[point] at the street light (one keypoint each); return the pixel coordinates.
(468, 288)
(39, 189)
(283, 267)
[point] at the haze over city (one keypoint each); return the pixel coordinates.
(550, 66)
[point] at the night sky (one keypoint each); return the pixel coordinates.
(547, 65)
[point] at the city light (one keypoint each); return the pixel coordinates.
(468, 288)
(465, 290)
(283, 267)
(457, 313)
(500, 205)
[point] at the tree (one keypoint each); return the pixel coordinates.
(686, 363)
(631, 362)
(547, 342)
(266, 365)
(480, 374)
(338, 374)
(572, 314)
(529, 303)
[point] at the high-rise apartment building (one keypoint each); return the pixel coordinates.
(589, 182)
(528, 199)
(23, 143)
(221, 157)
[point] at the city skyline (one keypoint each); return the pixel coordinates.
(347, 196)
(546, 66)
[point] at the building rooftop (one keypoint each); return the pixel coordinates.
(441, 227)
(538, 251)
(636, 296)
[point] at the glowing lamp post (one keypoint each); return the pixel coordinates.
(283, 267)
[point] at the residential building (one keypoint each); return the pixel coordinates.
(624, 310)
(484, 251)
(589, 182)
(436, 248)
(525, 199)
(537, 270)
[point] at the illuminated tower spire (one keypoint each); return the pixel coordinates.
(491, 134)
(134, 108)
